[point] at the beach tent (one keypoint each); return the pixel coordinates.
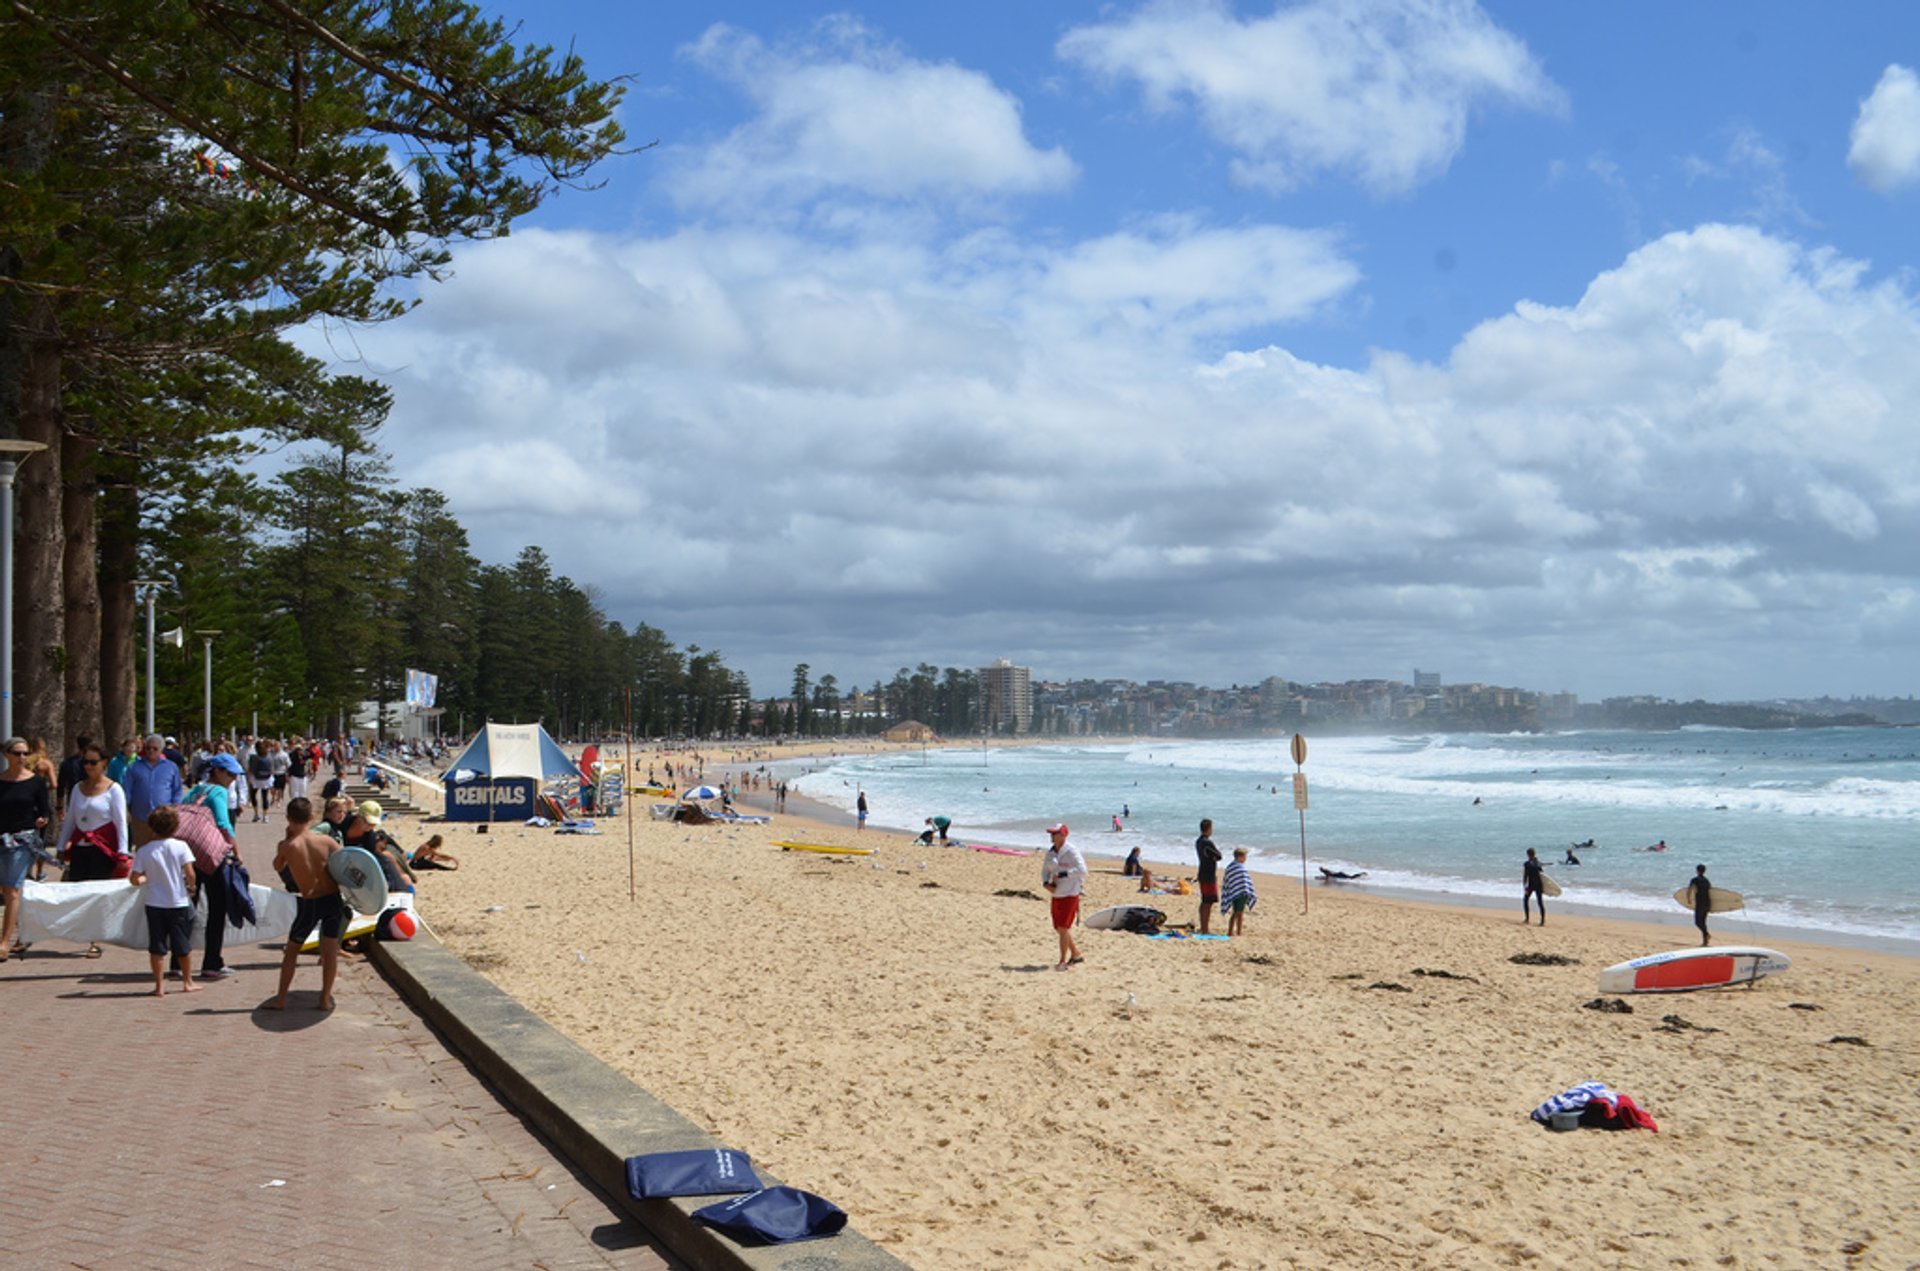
(498, 776)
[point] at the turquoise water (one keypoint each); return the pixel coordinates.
(1820, 829)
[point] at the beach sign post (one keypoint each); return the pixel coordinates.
(1300, 802)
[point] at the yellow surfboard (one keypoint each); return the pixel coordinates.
(824, 848)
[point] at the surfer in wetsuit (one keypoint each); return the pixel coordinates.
(1702, 891)
(1532, 888)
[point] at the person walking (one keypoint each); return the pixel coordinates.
(26, 806)
(1209, 875)
(1063, 873)
(1701, 891)
(153, 781)
(1533, 888)
(94, 837)
(215, 794)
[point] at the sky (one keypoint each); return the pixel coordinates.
(1571, 347)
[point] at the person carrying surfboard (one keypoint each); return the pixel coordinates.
(1533, 888)
(304, 855)
(1702, 891)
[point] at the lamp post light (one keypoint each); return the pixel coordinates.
(12, 454)
(153, 587)
(206, 640)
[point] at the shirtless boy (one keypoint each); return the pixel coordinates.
(303, 854)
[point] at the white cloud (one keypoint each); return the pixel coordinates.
(1378, 90)
(849, 114)
(1885, 149)
(748, 437)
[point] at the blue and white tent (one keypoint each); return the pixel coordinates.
(498, 775)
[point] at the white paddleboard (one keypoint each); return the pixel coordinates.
(1114, 917)
(1682, 970)
(1719, 899)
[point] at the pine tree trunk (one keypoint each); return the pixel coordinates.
(80, 583)
(119, 522)
(40, 705)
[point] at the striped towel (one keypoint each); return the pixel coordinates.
(1575, 1099)
(1237, 883)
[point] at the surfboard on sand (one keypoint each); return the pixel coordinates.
(360, 879)
(1548, 887)
(1719, 899)
(1683, 970)
(1121, 918)
(826, 849)
(997, 851)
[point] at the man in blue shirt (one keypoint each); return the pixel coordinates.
(152, 781)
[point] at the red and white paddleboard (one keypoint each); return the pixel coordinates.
(1684, 969)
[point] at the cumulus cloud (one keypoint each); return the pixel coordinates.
(845, 112)
(1377, 90)
(1885, 149)
(995, 447)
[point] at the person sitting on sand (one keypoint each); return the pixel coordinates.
(1133, 868)
(430, 856)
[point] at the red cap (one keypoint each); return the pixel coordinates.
(1058, 829)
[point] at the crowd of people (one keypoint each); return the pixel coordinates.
(93, 817)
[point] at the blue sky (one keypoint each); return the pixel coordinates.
(1563, 346)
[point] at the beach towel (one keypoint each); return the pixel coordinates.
(1238, 883)
(702, 1172)
(778, 1215)
(1599, 1104)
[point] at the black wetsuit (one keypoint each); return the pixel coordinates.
(1702, 902)
(1532, 889)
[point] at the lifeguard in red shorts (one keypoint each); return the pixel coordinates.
(1063, 873)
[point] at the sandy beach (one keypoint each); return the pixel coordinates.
(1348, 1087)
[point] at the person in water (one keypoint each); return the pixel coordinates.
(1533, 889)
(1571, 858)
(1702, 893)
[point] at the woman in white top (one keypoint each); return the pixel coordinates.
(94, 836)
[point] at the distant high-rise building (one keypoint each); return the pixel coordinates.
(1426, 681)
(1008, 690)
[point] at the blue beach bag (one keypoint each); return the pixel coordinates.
(778, 1215)
(704, 1172)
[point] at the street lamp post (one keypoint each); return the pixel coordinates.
(153, 586)
(12, 454)
(206, 640)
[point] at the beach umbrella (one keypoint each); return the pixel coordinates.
(701, 794)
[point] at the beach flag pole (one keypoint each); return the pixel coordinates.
(1300, 802)
(626, 760)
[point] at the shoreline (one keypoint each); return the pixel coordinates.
(1678, 928)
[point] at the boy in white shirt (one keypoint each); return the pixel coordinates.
(164, 869)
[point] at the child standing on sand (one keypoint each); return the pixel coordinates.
(163, 869)
(303, 855)
(1237, 894)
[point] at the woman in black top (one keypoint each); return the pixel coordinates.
(26, 805)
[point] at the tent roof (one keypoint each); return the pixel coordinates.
(514, 750)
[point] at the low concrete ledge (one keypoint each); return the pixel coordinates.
(594, 1115)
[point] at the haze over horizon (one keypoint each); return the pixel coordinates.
(1560, 347)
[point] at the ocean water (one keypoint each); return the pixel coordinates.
(1819, 829)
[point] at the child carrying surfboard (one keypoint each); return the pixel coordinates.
(303, 854)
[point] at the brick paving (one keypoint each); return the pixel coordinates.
(198, 1130)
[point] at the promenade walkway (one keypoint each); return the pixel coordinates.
(201, 1131)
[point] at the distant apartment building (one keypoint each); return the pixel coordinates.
(1008, 690)
(1426, 681)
